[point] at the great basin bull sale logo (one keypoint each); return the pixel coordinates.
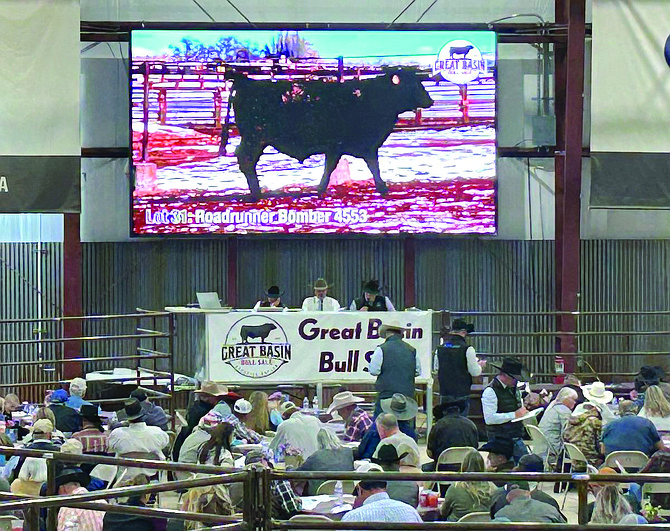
(256, 346)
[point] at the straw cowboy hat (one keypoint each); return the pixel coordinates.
(401, 406)
(212, 388)
(343, 399)
(514, 368)
(321, 284)
(596, 392)
(392, 326)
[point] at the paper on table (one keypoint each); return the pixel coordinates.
(345, 507)
(310, 502)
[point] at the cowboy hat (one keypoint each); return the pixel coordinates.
(460, 324)
(72, 475)
(500, 447)
(212, 388)
(371, 287)
(388, 454)
(441, 410)
(133, 409)
(343, 399)
(90, 412)
(321, 284)
(401, 406)
(242, 406)
(394, 326)
(596, 392)
(273, 291)
(514, 368)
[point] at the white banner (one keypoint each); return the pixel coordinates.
(290, 347)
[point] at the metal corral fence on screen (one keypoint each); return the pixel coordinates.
(257, 497)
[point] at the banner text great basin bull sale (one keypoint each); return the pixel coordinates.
(307, 132)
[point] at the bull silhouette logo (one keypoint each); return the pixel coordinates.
(256, 346)
(460, 62)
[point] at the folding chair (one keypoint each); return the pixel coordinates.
(450, 456)
(315, 518)
(476, 517)
(328, 487)
(539, 445)
(627, 459)
(575, 456)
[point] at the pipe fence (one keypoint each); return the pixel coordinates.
(257, 498)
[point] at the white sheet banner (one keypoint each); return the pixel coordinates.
(291, 347)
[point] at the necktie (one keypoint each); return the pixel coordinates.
(320, 305)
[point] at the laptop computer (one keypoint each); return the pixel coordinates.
(209, 300)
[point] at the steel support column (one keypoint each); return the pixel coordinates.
(72, 293)
(569, 123)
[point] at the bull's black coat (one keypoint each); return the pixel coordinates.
(251, 331)
(301, 119)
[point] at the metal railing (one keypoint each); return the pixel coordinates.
(31, 382)
(257, 495)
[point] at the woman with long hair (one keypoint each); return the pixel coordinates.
(217, 450)
(610, 506)
(332, 456)
(656, 408)
(465, 497)
(259, 418)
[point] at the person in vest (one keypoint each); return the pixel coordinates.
(455, 363)
(372, 301)
(272, 299)
(502, 405)
(395, 364)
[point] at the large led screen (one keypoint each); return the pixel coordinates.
(313, 132)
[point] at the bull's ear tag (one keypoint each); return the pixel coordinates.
(395, 79)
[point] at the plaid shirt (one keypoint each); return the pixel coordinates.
(285, 502)
(658, 463)
(242, 433)
(93, 441)
(84, 519)
(357, 424)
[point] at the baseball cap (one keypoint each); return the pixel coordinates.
(43, 426)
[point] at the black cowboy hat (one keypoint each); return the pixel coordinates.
(514, 368)
(388, 454)
(273, 291)
(371, 287)
(441, 410)
(90, 412)
(133, 409)
(499, 446)
(460, 324)
(72, 475)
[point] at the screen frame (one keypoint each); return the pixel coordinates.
(197, 26)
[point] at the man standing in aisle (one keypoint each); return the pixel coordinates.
(502, 405)
(395, 364)
(455, 363)
(371, 300)
(320, 302)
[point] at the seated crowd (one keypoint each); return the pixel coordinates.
(225, 429)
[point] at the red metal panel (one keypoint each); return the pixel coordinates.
(72, 292)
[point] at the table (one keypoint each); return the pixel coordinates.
(325, 504)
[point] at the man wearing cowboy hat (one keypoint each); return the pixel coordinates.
(402, 408)
(71, 481)
(272, 299)
(394, 363)
(372, 301)
(137, 437)
(455, 363)
(92, 437)
(320, 302)
(502, 405)
(389, 460)
(357, 421)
